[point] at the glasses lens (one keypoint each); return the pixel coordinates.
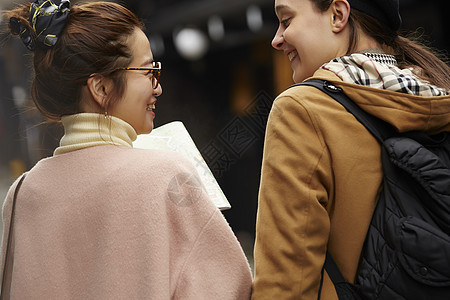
(156, 74)
(154, 81)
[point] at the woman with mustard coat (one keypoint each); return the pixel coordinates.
(321, 170)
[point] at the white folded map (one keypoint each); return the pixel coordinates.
(174, 136)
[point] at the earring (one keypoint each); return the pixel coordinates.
(106, 109)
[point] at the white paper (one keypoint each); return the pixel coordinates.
(174, 136)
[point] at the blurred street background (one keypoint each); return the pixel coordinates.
(220, 76)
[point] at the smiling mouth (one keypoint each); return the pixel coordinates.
(150, 107)
(292, 55)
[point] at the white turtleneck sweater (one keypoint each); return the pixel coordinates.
(89, 129)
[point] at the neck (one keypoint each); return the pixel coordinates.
(372, 50)
(365, 43)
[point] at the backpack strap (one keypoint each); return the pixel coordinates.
(378, 128)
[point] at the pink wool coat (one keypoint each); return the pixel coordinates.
(112, 222)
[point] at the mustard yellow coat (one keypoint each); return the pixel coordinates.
(321, 176)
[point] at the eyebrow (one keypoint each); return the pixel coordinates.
(279, 8)
(147, 62)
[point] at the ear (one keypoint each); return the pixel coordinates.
(340, 12)
(99, 87)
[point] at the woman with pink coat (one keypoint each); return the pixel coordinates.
(100, 219)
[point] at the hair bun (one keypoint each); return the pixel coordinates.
(47, 19)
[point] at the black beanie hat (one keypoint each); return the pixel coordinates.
(385, 11)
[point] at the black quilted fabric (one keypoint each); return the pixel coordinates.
(407, 250)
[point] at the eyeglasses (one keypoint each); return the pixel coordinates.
(154, 71)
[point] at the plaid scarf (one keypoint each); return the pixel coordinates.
(381, 71)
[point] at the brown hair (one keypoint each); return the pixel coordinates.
(408, 52)
(93, 41)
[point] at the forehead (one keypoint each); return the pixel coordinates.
(294, 6)
(283, 5)
(140, 48)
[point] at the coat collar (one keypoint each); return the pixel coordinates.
(404, 111)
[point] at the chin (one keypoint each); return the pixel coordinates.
(147, 131)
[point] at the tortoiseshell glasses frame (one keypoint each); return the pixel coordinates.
(155, 71)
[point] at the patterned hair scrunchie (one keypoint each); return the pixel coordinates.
(22, 31)
(48, 21)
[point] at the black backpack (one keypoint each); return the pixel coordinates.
(406, 254)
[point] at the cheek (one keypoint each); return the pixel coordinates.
(144, 86)
(290, 36)
(139, 90)
(301, 40)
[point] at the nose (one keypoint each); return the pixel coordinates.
(278, 40)
(158, 91)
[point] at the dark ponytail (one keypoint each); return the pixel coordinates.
(410, 53)
(425, 61)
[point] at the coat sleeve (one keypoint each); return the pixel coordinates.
(216, 267)
(212, 262)
(292, 223)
